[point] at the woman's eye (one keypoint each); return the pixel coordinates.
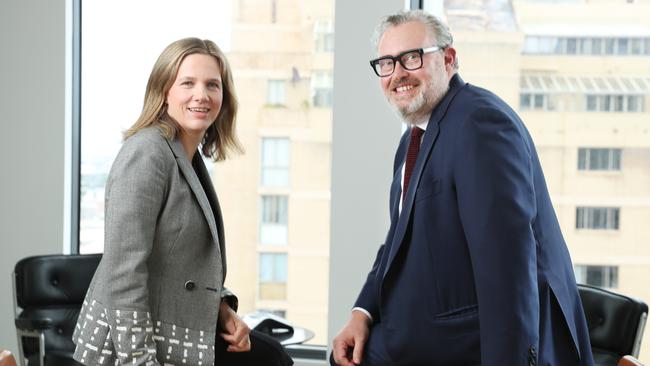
(186, 83)
(214, 85)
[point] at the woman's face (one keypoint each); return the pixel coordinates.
(194, 100)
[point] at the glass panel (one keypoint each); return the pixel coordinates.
(592, 103)
(636, 46)
(616, 159)
(597, 46)
(273, 47)
(582, 159)
(276, 94)
(618, 103)
(275, 162)
(524, 101)
(571, 46)
(610, 44)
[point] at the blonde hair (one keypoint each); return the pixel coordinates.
(219, 139)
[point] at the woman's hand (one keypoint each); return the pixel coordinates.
(235, 331)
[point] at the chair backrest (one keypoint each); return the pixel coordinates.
(53, 287)
(616, 322)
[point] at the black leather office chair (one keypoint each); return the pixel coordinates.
(616, 324)
(48, 293)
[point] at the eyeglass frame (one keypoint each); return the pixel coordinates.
(398, 58)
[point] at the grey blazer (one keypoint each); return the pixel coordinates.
(154, 299)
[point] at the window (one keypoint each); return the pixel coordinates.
(536, 101)
(274, 219)
(275, 162)
(324, 36)
(102, 123)
(597, 218)
(264, 41)
(601, 276)
(276, 93)
(599, 159)
(550, 45)
(614, 103)
(321, 86)
(273, 276)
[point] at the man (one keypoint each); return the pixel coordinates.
(474, 270)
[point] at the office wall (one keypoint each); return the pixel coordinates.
(32, 44)
(365, 134)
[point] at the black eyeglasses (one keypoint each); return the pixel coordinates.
(410, 60)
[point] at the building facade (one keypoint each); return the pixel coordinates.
(282, 63)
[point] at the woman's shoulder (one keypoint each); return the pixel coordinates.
(151, 134)
(147, 148)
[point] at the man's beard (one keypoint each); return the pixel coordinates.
(419, 109)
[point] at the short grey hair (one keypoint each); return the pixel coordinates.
(437, 30)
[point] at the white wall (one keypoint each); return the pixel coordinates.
(32, 40)
(364, 138)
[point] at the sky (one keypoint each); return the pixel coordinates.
(121, 40)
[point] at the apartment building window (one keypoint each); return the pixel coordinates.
(273, 276)
(599, 159)
(614, 103)
(273, 220)
(275, 162)
(276, 93)
(321, 89)
(536, 101)
(601, 276)
(324, 36)
(597, 218)
(620, 46)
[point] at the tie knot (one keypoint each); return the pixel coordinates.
(416, 133)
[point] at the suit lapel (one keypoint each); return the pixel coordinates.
(208, 188)
(429, 139)
(196, 187)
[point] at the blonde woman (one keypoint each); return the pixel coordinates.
(157, 297)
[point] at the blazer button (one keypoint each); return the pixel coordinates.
(189, 285)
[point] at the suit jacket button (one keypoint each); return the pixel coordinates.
(189, 285)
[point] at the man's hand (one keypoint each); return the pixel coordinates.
(347, 347)
(236, 332)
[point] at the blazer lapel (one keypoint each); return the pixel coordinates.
(195, 185)
(430, 137)
(208, 188)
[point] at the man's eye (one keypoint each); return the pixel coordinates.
(410, 56)
(384, 63)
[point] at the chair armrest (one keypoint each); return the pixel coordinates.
(629, 361)
(33, 324)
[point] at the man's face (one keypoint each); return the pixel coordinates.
(414, 93)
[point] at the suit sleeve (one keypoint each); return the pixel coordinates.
(369, 297)
(494, 182)
(134, 196)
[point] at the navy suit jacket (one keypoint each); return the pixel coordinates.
(474, 269)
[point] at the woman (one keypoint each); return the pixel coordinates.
(157, 296)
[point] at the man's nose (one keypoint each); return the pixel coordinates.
(399, 70)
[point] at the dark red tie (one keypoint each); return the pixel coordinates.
(411, 157)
